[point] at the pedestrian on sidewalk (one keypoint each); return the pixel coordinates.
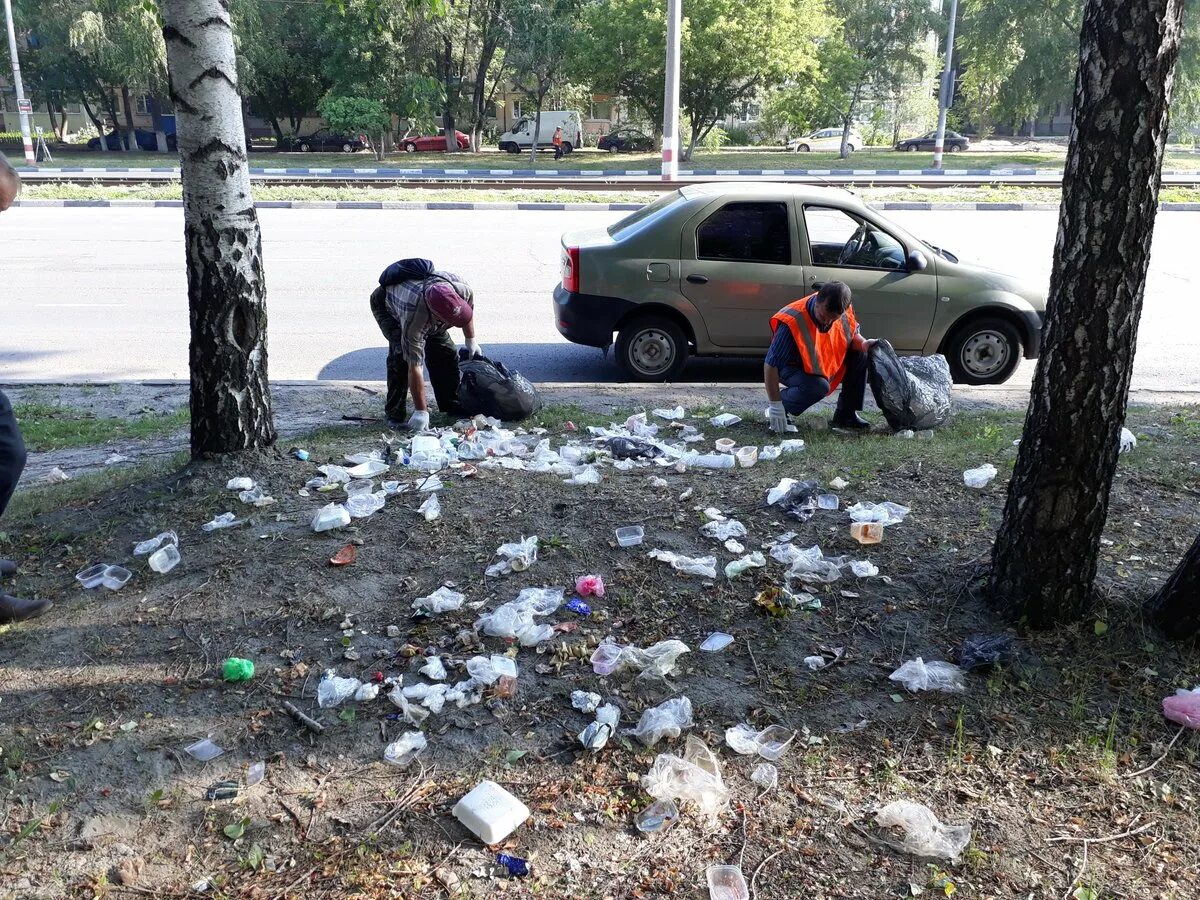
(557, 141)
(12, 446)
(817, 346)
(416, 305)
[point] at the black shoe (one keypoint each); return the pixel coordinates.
(7, 567)
(398, 424)
(849, 421)
(14, 609)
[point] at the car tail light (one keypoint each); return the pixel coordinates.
(570, 269)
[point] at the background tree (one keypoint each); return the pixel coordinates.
(230, 395)
(543, 32)
(358, 115)
(1175, 608)
(1046, 551)
(625, 54)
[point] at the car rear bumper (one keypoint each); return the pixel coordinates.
(1033, 333)
(588, 319)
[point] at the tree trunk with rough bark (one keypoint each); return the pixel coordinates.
(1175, 609)
(230, 395)
(131, 143)
(1044, 562)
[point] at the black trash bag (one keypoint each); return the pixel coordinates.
(982, 651)
(800, 502)
(488, 388)
(630, 448)
(912, 391)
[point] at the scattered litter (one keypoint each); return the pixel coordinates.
(906, 434)
(669, 414)
(405, 749)
(769, 454)
(796, 498)
(589, 586)
(515, 619)
(516, 867)
(742, 739)
(657, 659)
(1183, 707)
(659, 815)
(335, 474)
(164, 559)
(716, 642)
(597, 733)
(815, 663)
(738, 567)
(657, 482)
(631, 448)
(430, 483)
(242, 483)
(333, 691)
(585, 701)
(224, 520)
(344, 557)
(366, 692)
(808, 565)
(1128, 441)
(770, 743)
(924, 834)
(431, 509)
(863, 568)
(368, 469)
(724, 420)
(359, 506)
(723, 530)
(236, 669)
(490, 812)
(827, 501)
(203, 750)
(704, 566)
(255, 497)
(668, 719)
(724, 445)
(746, 456)
(442, 600)
(434, 669)
(766, 776)
(980, 477)
(586, 475)
(152, 544)
(726, 883)
(115, 458)
(980, 651)
(330, 517)
(792, 445)
(918, 675)
(515, 557)
(885, 514)
(484, 669)
(223, 790)
(735, 546)
(630, 535)
(839, 484)
(695, 777)
(301, 455)
(578, 607)
(255, 773)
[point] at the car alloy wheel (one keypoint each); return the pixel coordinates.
(803, 148)
(911, 148)
(410, 147)
(347, 148)
(304, 148)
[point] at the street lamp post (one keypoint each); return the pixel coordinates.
(23, 106)
(946, 94)
(670, 143)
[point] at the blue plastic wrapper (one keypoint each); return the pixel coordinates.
(301, 455)
(516, 866)
(577, 606)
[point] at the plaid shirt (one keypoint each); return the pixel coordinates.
(406, 303)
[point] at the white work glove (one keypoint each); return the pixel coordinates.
(777, 418)
(419, 420)
(473, 348)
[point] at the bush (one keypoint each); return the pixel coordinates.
(11, 137)
(715, 139)
(741, 137)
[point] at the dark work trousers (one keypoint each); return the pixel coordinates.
(12, 452)
(441, 359)
(800, 390)
(558, 151)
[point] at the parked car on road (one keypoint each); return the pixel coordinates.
(325, 141)
(954, 143)
(520, 136)
(626, 140)
(701, 270)
(826, 139)
(433, 143)
(145, 140)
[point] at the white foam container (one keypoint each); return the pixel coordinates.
(490, 812)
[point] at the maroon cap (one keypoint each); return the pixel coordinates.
(447, 304)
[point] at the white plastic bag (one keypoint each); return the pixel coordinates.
(668, 719)
(695, 777)
(586, 475)
(434, 669)
(440, 601)
(723, 531)
(924, 834)
(365, 504)
(886, 513)
(918, 675)
(742, 739)
(333, 691)
(431, 509)
(404, 750)
(515, 619)
(864, 568)
(980, 477)
(515, 557)
(670, 414)
(703, 567)
(738, 567)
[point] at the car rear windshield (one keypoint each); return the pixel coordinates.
(645, 215)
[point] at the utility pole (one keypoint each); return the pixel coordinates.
(670, 143)
(24, 108)
(946, 94)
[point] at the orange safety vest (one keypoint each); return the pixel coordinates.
(557, 139)
(821, 353)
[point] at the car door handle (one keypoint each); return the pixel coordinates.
(817, 285)
(698, 279)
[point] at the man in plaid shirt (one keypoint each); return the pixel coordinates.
(415, 306)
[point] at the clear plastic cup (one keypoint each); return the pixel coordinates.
(866, 532)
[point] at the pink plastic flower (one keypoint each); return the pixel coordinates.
(589, 586)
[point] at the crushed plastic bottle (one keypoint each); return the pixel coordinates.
(658, 816)
(918, 675)
(668, 719)
(980, 477)
(442, 600)
(596, 735)
(152, 544)
(330, 517)
(924, 834)
(224, 520)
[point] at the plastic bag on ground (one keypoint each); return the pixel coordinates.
(924, 834)
(515, 619)
(797, 498)
(980, 477)
(491, 389)
(738, 567)
(333, 691)
(913, 392)
(703, 567)
(766, 776)
(434, 669)
(405, 749)
(589, 586)
(668, 719)
(1128, 441)
(240, 484)
(723, 531)
(365, 504)
(657, 659)
(152, 544)
(596, 735)
(807, 565)
(864, 568)
(669, 414)
(742, 739)
(980, 651)
(515, 557)
(631, 448)
(440, 601)
(918, 675)
(329, 517)
(431, 509)
(695, 778)
(1183, 707)
(886, 513)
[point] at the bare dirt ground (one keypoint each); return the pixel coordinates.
(1061, 762)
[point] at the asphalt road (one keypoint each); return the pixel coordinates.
(100, 294)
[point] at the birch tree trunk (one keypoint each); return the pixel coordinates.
(230, 396)
(1175, 609)
(1044, 562)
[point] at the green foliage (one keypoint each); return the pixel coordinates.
(741, 137)
(357, 115)
(716, 138)
(543, 37)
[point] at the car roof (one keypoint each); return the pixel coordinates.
(805, 193)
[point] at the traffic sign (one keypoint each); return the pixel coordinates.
(24, 106)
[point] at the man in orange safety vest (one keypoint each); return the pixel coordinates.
(815, 347)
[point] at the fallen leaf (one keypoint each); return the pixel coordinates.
(235, 830)
(1101, 627)
(513, 756)
(344, 557)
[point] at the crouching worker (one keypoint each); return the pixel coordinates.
(416, 306)
(815, 347)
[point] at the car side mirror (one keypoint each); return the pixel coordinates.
(917, 261)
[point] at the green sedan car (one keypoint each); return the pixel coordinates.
(701, 271)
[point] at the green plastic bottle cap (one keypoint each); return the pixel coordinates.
(235, 669)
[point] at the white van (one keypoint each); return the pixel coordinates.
(521, 136)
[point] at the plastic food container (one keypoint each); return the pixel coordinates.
(92, 576)
(490, 812)
(866, 532)
(727, 883)
(115, 577)
(827, 501)
(724, 445)
(369, 468)
(630, 535)
(747, 456)
(774, 741)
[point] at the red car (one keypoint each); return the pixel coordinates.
(433, 143)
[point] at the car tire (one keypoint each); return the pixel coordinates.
(850, 148)
(410, 147)
(986, 350)
(612, 148)
(911, 148)
(802, 148)
(347, 148)
(652, 348)
(954, 148)
(567, 148)
(304, 148)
